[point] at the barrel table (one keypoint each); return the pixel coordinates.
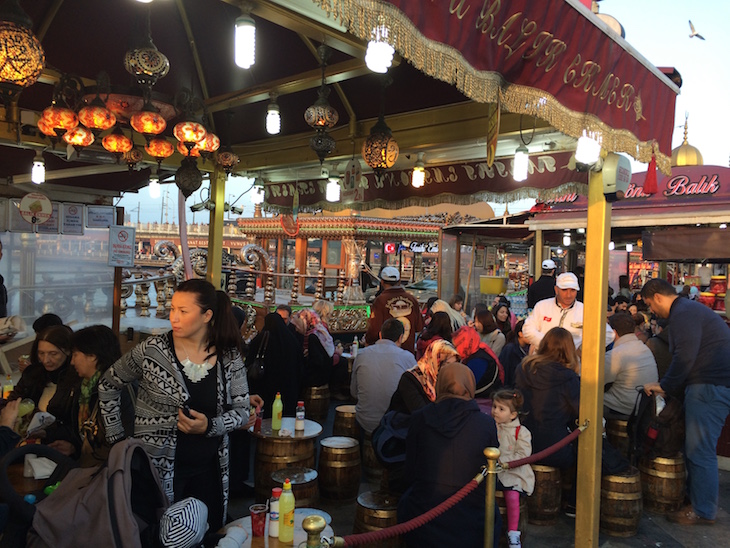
(300, 514)
(377, 510)
(345, 423)
(621, 504)
(544, 503)
(317, 402)
(663, 483)
(339, 468)
(275, 451)
(304, 484)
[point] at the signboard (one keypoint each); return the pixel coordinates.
(72, 221)
(35, 208)
(121, 246)
(99, 216)
(52, 225)
(389, 248)
(16, 221)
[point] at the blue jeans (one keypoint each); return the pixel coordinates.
(706, 407)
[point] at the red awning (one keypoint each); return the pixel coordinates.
(553, 59)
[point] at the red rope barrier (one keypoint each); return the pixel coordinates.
(410, 525)
(545, 452)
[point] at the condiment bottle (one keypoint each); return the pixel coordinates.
(353, 348)
(274, 512)
(286, 514)
(7, 386)
(276, 411)
(299, 422)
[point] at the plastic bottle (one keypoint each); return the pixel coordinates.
(299, 422)
(276, 411)
(286, 514)
(274, 512)
(7, 386)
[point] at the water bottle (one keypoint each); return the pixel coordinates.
(286, 514)
(276, 410)
(274, 512)
(299, 422)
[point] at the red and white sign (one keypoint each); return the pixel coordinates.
(121, 246)
(35, 208)
(389, 248)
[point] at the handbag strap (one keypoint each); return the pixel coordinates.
(263, 345)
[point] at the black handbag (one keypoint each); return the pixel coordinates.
(256, 369)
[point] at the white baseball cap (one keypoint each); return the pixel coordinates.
(567, 280)
(548, 264)
(390, 274)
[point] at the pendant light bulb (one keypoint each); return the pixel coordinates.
(611, 246)
(588, 151)
(245, 40)
(566, 239)
(257, 196)
(273, 117)
(154, 186)
(521, 163)
(418, 177)
(333, 191)
(38, 172)
(629, 247)
(379, 55)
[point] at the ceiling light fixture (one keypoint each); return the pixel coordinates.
(566, 239)
(154, 186)
(380, 149)
(273, 116)
(333, 191)
(521, 164)
(38, 171)
(321, 115)
(258, 194)
(22, 59)
(245, 40)
(589, 149)
(611, 246)
(723, 225)
(379, 55)
(629, 247)
(418, 177)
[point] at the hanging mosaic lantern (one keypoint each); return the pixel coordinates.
(380, 149)
(79, 137)
(188, 177)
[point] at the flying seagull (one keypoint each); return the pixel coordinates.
(694, 32)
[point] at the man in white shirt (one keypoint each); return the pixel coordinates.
(562, 311)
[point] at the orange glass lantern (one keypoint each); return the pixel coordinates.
(46, 128)
(147, 122)
(97, 117)
(79, 137)
(60, 119)
(117, 143)
(210, 144)
(189, 133)
(193, 151)
(159, 148)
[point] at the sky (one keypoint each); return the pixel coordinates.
(657, 29)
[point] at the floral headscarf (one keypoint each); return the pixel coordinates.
(467, 341)
(427, 368)
(314, 325)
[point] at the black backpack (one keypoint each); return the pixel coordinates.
(653, 435)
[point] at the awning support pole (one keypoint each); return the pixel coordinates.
(588, 502)
(215, 232)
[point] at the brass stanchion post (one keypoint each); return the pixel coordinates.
(492, 454)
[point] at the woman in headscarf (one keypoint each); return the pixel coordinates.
(456, 319)
(438, 328)
(444, 450)
(319, 348)
(283, 365)
(417, 386)
(481, 359)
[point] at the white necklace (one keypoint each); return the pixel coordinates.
(194, 371)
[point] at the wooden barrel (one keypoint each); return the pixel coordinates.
(522, 524)
(370, 463)
(544, 503)
(273, 454)
(377, 510)
(339, 468)
(618, 435)
(304, 484)
(663, 483)
(621, 504)
(317, 403)
(345, 423)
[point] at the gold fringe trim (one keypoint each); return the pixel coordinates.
(448, 65)
(539, 194)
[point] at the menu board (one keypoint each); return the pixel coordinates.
(73, 219)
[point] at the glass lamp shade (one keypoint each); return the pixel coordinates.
(333, 191)
(59, 120)
(189, 132)
(521, 164)
(46, 128)
(147, 122)
(322, 144)
(321, 114)
(380, 149)
(79, 137)
(21, 56)
(210, 144)
(146, 64)
(117, 143)
(193, 151)
(245, 42)
(227, 159)
(188, 177)
(97, 118)
(160, 148)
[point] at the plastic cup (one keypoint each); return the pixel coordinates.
(258, 519)
(26, 406)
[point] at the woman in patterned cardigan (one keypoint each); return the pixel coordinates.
(183, 413)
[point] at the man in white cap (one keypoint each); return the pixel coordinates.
(544, 287)
(394, 302)
(562, 310)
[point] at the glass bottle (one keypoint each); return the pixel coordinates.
(299, 422)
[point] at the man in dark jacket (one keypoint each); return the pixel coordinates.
(700, 345)
(543, 288)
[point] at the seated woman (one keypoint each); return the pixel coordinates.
(95, 348)
(513, 353)
(457, 303)
(319, 348)
(50, 380)
(438, 328)
(456, 319)
(502, 317)
(488, 331)
(444, 450)
(551, 386)
(482, 361)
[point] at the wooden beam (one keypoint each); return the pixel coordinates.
(48, 19)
